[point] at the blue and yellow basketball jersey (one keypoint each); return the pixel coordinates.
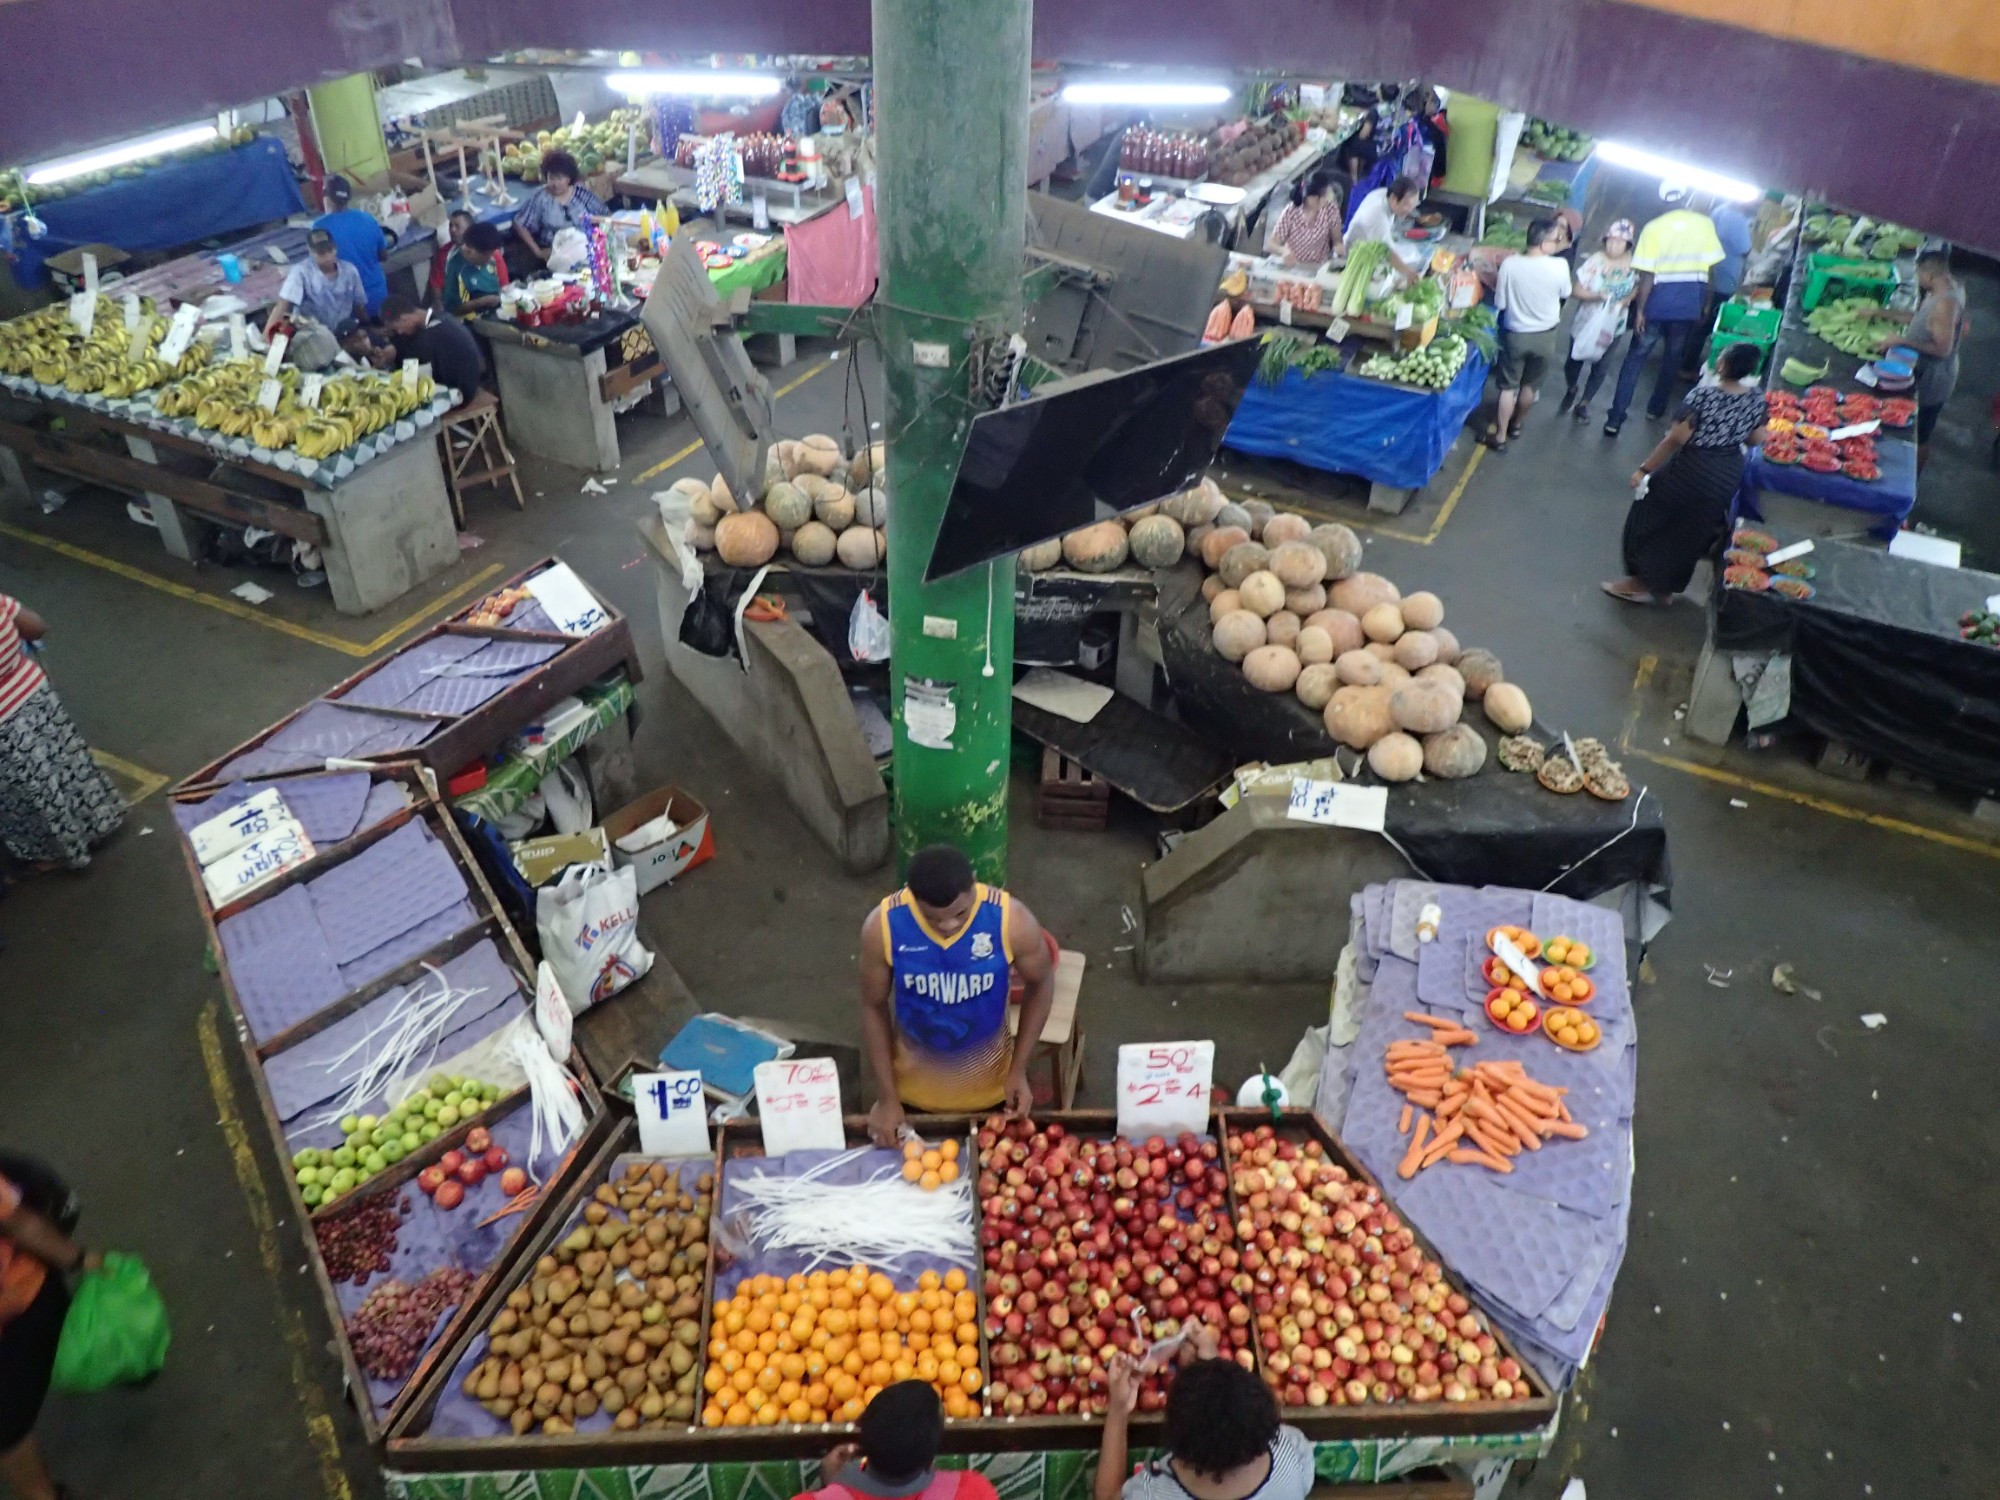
(949, 999)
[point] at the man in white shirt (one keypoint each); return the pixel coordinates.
(1528, 293)
(1376, 217)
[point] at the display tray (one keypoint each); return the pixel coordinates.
(445, 741)
(412, 1449)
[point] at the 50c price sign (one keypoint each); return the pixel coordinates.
(1164, 1088)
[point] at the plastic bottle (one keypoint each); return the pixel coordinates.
(1427, 922)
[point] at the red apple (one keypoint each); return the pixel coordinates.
(450, 1194)
(513, 1182)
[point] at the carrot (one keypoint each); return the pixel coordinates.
(1518, 1123)
(1416, 1044)
(1446, 1137)
(1541, 1109)
(1437, 1022)
(1459, 1038)
(1403, 1125)
(1428, 1098)
(1562, 1112)
(1540, 1090)
(1423, 1078)
(1480, 1106)
(1568, 1129)
(1408, 1168)
(1451, 1104)
(1481, 1159)
(1500, 1143)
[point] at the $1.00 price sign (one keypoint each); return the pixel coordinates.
(798, 1104)
(673, 1121)
(1164, 1088)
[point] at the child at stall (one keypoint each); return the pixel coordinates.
(900, 1432)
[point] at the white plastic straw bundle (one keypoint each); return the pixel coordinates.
(867, 1222)
(415, 1024)
(558, 1112)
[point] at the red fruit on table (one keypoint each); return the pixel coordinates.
(451, 1161)
(495, 1158)
(450, 1194)
(472, 1171)
(513, 1182)
(478, 1139)
(431, 1179)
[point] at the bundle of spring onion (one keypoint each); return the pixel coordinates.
(869, 1222)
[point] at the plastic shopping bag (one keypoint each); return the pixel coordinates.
(867, 631)
(1595, 330)
(588, 922)
(116, 1331)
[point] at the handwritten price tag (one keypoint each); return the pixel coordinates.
(83, 311)
(268, 394)
(139, 339)
(275, 355)
(673, 1120)
(180, 333)
(131, 302)
(409, 375)
(239, 337)
(1339, 804)
(798, 1104)
(309, 397)
(1164, 1087)
(572, 607)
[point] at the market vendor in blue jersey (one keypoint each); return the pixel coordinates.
(937, 961)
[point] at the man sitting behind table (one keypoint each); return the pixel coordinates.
(443, 343)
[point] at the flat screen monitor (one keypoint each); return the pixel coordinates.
(1085, 453)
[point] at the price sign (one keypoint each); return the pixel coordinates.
(673, 1120)
(798, 1104)
(1403, 316)
(760, 212)
(309, 396)
(1285, 311)
(1337, 331)
(278, 257)
(229, 831)
(853, 191)
(131, 311)
(1339, 804)
(90, 273)
(141, 336)
(268, 394)
(1164, 1087)
(180, 333)
(83, 311)
(409, 375)
(239, 337)
(572, 607)
(275, 355)
(266, 858)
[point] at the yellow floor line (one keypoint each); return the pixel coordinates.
(237, 609)
(147, 782)
(668, 462)
(787, 389)
(320, 1432)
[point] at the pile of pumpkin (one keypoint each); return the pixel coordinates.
(1288, 600)
(815, 502)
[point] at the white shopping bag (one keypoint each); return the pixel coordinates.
(589, 926)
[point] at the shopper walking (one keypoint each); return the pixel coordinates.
(1935, 333)
(1528, 293)
(34, 1254)
(1673, 257)
(55, 804)
(1688, 483)
(1604, 287)
(896, 1457)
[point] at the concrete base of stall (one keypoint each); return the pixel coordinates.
(787, 710)
(552, 406)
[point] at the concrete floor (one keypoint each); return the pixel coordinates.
(1805, 1306)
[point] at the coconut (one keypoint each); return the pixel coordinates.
(1423, 610)
(1507, 706)
(1415, 650)
(1396, 757)
(1383, 623)
(1282, 629)
(1314, 646)
(1343, 628)
(1358, 668)
(1455, 752)
(1285, 527)
(1306, 603)
(1424, 707)
(1480, 669)
(1299, 565)
(1316, 684)
(1360, 592)
(1359, 716)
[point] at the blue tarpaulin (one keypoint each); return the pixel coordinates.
(1389, 434)
(1892, 497)
(174, 204)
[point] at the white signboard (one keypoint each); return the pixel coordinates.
(572, 606)
(798, 1104)
(1164, 1088)
(673, 1120)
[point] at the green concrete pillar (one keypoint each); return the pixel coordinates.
(951, 80)
(349, 128)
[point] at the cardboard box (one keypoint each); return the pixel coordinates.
(691, 843)
(66, 267)
(541, 860)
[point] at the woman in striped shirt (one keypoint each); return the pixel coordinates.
(55, 804)
(1308, 231)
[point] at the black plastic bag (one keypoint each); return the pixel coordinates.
(708, 624)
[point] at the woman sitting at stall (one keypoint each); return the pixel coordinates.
(561, 202)
(475, 272)
(1308, 231)
(1687, 483)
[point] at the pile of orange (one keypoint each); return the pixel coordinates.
(1511, 1010)
(1568, 985)
(930, 1167)
(1571, 1028)
(818, 1347)
(1520, 937)
(1503, 978)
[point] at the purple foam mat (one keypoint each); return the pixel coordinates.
(279, 962)
(1525, 1250)
(330, 807)
(1604, 930)
(458, 696)
(529, 615)
(1442, 970)
(498, 658)
(400, 949)
(320, 730)
(384, 891)
(1407, 899)
(402, 674)
(457, 1414)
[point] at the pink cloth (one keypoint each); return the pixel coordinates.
(831, 261)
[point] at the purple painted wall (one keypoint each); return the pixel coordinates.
(1913, 146)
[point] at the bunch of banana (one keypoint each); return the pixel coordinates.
(321, 435)
(226, 415)
(268, 430)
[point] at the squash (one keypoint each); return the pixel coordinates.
(1383, 623)
(1306, 602)
(746, 539)
(699, 537)
(1237, 634)
(1508, 707)
(1340, 546)
(1240, 561)
(1448, 647)
(1272, 669)
(813, 544)
(775, 471)
(1437, 671)
(869, 464)
(1423, 610)
(1157, 542)
(1315, 646)
(1233, 514)
(1216, 328)
(788, 459)
(1415, 650)
(1382, 651)
(1454, 753)
(1396, 757)
(1210, 587)
(819, 454)
(1226, 602)
(1358, 593)
(702, 508)
(871, 506)
(1138, 513)
(861, 548)
(1480, 669)
(1262, 594)
(788, 506)
(1096, 549)
(1316, 685)
(1393, 676)
(719, 492)
(834, 507)
(1424, 707)
(1359, 716)
(1299, 565)
(1282, 629)
(693, 488)
(1358, 668)
(1285, 527)
(1216, 545)
(1260, 513)
(1042, 556)
(1243, 324)
(1343, 627)
(1195, 507)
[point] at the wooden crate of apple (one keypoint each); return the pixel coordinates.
(1349, 1309)
(447, 1180)
(1093, 1244)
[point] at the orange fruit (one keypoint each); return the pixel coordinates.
(949, 1371)
(796, 1282)
(744, 1340)
(743, 1379)
(906, 1303)
(912, 1169)
(849, 1411)
(789, 1392)
(902, 1369)
(711, 1415)
(920, 1321)
(930, 1281)
(798, 1411)
(969, 1381)
(948, 1172)
(867, 1317)
(768, 1341)
(882, 1372)
(817, 1395)
(768, 1379)
(929, 1182)
(853, 1363)
(927, 1366)
(948, 1148)
(792, 1366)
(842, 1386)
(736, 1416)
(954, 1280)
(968, 1335)
(881, 1288)
(835, 1320)
(932, 1160)
(714, 1379)
(912, 1149)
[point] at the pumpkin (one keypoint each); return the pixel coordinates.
(1157, 542)
(1282, 629)
(1260, 513)
(1237, 634)
(1227, 602)
(1240, 561)
(1195, 537)
(1437, 671)
(834, 507)
(1233, 514)
(1262, 594)
(1306, 602)
(775, 471)
(1480, 669)
(813, 544)
(1415, 650)
(1448, 647)
(1424, 707)
(1343, 627)
(1272, 669)
(1210, 587)
(1195, 507)
(1216, 545)
(1299, 565)
(819, 454)
(1383, 623)
(1286, 527)
(1360, 592)
(1358, 668)
(788, 506)
(1359, 716)
(700, 537)
(1423, 610)
(1382, 651)
(1096, 549)
(1315, 646)
(1042, 556)
(1396, 757)
(871, 506)
(1316, 685)
(746, 539)
(1339, 545)
(1454, 753)
(1507, 706)
(719, 492)
(703, 508)
(868, 463)
(693, 488)
(1393, 676)
(1243, 324)
(788, 458)
(862, 547)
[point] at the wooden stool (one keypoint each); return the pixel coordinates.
(464, 434)
(1062, 1038)
(1069, 796)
